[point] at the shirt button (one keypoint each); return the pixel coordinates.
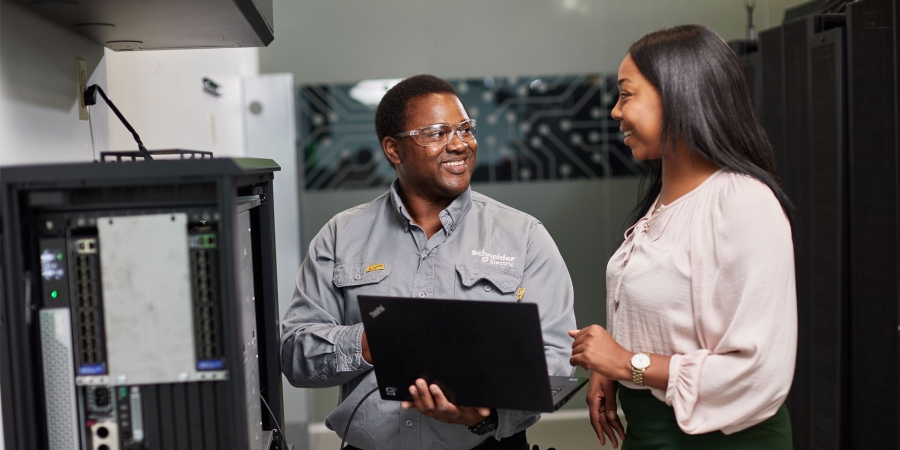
(487, 288)
(421, 295)
(409, 423)
(358, 276)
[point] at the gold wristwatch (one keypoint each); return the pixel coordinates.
(639, 363)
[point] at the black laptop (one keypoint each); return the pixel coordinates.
(487, 354)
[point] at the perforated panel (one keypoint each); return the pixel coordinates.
(59, 378)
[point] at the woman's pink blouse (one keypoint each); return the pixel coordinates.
(709, 280)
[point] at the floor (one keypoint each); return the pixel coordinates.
(564, 430)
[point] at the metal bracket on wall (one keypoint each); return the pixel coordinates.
(211, 87)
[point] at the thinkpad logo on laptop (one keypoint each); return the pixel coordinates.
(375, 312)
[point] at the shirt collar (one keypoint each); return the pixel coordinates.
(451, 216)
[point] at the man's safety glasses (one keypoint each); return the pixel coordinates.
(440, 134)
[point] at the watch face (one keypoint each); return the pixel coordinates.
(640, 360)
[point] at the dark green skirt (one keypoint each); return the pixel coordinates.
(651, 425)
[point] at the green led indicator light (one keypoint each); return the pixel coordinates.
(54, 294)
(123, 392)
(59, 256)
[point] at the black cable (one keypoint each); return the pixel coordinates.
(347, 428)
(274, 420)
(90, 98)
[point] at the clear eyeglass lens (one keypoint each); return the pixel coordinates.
(442, 134)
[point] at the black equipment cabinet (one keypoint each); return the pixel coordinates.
(802, 106)
(875, 204)
(836, 139)
(139, 306)
(827, 307)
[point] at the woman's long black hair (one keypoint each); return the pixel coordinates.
(707, 104)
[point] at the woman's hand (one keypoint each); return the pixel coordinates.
(430, 401)
(601, 400)
(595, 350)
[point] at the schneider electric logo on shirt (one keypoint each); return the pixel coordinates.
(495, 259)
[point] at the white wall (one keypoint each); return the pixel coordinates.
(161, 95)
(38, 104)
(348, 40)
(159, 92)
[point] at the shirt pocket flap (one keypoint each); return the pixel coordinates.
(358, 274)
(504, 281)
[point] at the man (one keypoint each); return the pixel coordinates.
(430, 236)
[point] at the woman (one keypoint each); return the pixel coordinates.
(701, 330)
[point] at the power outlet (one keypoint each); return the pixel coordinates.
(81, 81)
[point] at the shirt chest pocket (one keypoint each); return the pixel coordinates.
(362, 278)
(478, 283)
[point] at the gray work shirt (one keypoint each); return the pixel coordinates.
(485, 251)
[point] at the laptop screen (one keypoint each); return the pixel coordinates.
(487, 354)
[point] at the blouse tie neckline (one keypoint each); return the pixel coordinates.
(642, 226)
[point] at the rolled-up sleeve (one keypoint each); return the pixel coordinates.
(317, 350)
(744, 301)
(547, 283)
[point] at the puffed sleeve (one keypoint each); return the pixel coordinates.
(745, 310)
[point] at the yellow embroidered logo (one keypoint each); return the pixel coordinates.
(520, 293)
(374, 267)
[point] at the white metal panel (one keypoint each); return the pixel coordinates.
(147, 307)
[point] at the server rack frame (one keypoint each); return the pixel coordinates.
(225, 180)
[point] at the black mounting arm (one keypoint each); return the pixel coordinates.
(90, 98)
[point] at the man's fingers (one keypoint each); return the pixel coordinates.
(440, 401)
(420, 397)
(414, 393)
(424, 395)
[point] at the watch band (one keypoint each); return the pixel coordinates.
(637, 376)
(485, 426)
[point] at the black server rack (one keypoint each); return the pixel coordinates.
(139, 306)
(771, 96)
(795, 179)
(752, 66)
(840, 165)
(803, 99)
(828, 232)
(875, 205)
